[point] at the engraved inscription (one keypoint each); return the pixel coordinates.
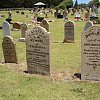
(9, 50)
(69, 31)
(37, 51)
(91, 53)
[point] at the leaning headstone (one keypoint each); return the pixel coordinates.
(38, 51)
(6, 28)
(87, 25)
(24, 28)
(90, 60)
(69, 32)
(9, 50)
(45, 24)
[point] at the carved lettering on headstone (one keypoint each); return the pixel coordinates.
(90, 61)
(9, 50)
(38, 51)
(69, 31)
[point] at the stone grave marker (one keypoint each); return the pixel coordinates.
(45, 24)
(69, 32)
(78, 16)
(90, 54)
(99, 10)
(38, 51)
(16, 26)
(87, 25)
(24, 28)
(6, 28)
(86, 16)
(9, 50)
(65, 13)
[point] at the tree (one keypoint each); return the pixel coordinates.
(93, 2)
(76, 4)
(66, 4)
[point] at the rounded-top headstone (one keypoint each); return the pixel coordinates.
(24, 28)
(9, 50)
(6, 28)
(45, 24)
(38, 51)
(69, 32)
(90, 54)
(87, 25)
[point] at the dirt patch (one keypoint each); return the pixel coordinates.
(55, 75)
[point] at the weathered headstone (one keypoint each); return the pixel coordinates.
(86, 16)
(9, 50)
(16, 26)
(65, 13)
(69, 32)
(99, 10)
(87, 25)
(45, 24)
(90, 60)
(24, 28)
(38, 51)
(6, 28)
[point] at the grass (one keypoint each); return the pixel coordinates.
(65, 57)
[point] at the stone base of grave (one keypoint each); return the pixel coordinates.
(68, 41)
(22, 40)
(14, 29)
(39, 72)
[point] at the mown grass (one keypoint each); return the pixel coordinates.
(15, 85)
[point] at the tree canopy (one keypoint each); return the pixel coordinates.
(29, 3)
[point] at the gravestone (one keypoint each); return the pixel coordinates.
(78, 16)
(65, 13)
(24, 28)
(90, 54)
(87, 25)
(45, 24)
(39, 19)
(9, 50)
(38, 51)
(16, 26)
(86, 16)
(69, 32)
(6, 28)
(99, 10)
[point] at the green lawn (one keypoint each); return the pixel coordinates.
(65, 60)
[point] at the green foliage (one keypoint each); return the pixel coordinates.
(94, 2)
(76, 4)
(98, 20)
(62, 6)
(82, 5)
(66, 4)
(27, 3)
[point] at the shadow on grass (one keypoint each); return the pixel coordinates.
(77, 75)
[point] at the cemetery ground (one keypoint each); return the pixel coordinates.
(64, 82)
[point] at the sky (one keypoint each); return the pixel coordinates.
(82, 1)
